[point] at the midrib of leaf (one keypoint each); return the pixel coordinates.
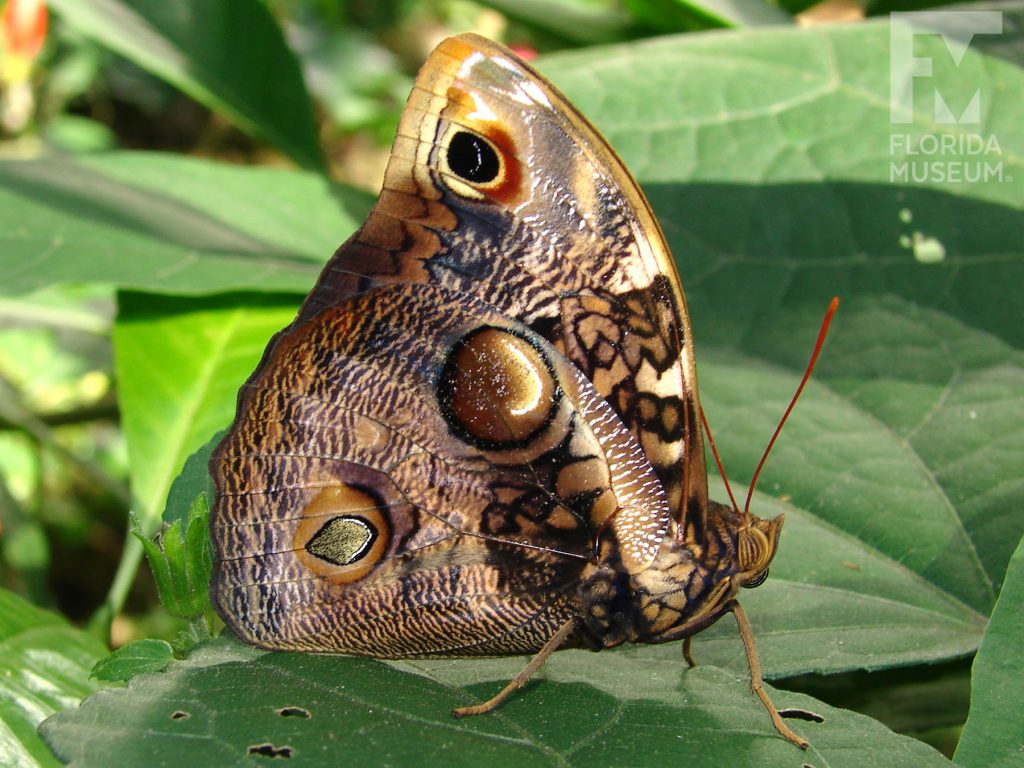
(912, 457)
(190, 407)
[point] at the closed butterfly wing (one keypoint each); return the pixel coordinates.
(498, 189)
(412, 473)
(481, 433)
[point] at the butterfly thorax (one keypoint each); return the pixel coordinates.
(686, 588)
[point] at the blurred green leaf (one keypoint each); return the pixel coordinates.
(169, 224)
(666, 16)
(356, 79)
(992, 737)
(229, 55)
(228, 705)
(44, 668)
(134, 659)
(580, 22)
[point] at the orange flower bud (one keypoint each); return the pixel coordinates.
(23, 28)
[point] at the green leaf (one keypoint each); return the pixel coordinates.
(179, 364)
(134, 659)
(194, 480)
(229, 705)
(577, 21)
(44, 668)
(229, 55)
(180, 559)
(668, 16)
(168, 224)
(992, 737)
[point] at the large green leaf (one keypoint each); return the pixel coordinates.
(44, 668)
(228, 705)
(169, 224)
(229, 54)
(767, 156)
(992, 737)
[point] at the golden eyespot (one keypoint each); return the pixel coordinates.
(496, 389)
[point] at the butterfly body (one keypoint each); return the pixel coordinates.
(481, 432)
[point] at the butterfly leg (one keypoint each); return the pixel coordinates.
(527, 672)
(756, 681)
(687, 653)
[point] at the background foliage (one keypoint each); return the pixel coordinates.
(184, 169)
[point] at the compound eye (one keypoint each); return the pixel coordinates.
(757, 580)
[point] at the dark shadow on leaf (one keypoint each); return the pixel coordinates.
(755, 248)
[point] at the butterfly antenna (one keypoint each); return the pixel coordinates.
(822, 333)
(718, 460)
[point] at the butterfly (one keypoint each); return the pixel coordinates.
(481, 435)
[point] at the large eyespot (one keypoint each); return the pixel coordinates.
(496, 389)
(343, 533)
(473, 158)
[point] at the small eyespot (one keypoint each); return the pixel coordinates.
(757, 581)
(473, 158)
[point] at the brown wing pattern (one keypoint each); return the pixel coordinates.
(560, 238)
(411, 473)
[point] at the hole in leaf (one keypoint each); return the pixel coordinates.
(802, 714)
(293, 712)
(806, 765)
(179, 715)
(269, 750)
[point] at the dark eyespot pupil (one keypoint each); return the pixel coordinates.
(472, 158)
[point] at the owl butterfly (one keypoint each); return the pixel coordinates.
(481, 434)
